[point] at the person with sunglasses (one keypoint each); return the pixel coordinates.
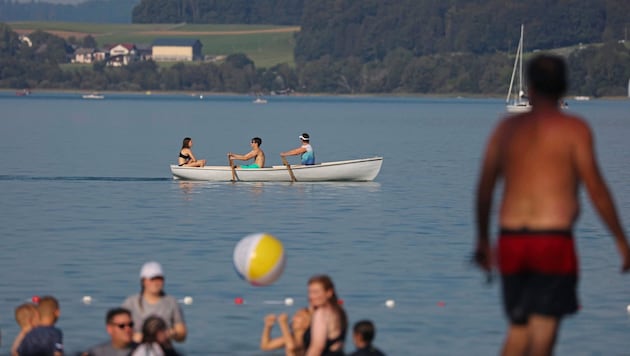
(256, 153)
(152, 300)
(119, 326)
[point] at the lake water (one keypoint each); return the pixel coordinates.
(87, 198)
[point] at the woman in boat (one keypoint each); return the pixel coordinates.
(186, 157)
(306, 151)
(152, 300)
(327, 332)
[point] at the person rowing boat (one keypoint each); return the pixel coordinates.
(256, 153)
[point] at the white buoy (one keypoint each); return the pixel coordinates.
(188, 300)
(390, 303)
(87, 300)
(288, 301)
(628, 308)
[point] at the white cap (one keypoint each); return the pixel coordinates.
(151, 270)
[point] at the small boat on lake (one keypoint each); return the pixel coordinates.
(93, 96)
(361, 170)
(260, 100)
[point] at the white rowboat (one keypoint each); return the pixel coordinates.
(353, 170)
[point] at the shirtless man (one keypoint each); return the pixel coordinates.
(543, 156)
(256, 153)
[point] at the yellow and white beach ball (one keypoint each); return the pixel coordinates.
(259, 259)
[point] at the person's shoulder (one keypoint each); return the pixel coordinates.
(574, 125)
(170, 300)
(43, 330)
(368, 351)
(131, 300)
(99, 349)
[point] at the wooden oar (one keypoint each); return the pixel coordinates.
(233, 169)
(284, 160)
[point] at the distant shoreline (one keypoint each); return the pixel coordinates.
(361, 95)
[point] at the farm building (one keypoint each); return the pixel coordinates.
(176, 50)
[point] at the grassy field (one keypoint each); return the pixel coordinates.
(265, 45)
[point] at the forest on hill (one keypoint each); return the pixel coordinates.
(414, 46)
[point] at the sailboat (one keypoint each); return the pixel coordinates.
(516, 101)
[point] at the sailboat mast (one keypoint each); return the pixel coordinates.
(520, 72)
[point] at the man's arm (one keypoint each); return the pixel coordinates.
(294, 152)
(589, 172)
(244, 157)
(485, 187)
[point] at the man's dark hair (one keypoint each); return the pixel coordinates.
(547, 75)
(365, 328)
(113, 312)
(258, 141)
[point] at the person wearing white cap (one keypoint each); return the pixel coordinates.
(152, 300)
(306, 151)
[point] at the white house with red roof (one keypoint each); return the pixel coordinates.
(121, 54)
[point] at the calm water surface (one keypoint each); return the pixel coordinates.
(87, 198)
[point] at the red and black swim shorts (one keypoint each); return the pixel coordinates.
(539, 272)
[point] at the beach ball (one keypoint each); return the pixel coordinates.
(259, 259)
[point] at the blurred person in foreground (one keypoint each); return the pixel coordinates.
(327, 333)
(119, 326)
(153, 301)
(45, 338)
(363, 333)
(542, 156)
(155, 339)
(27, 317)
(292, 337)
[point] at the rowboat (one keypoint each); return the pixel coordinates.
(365, 169)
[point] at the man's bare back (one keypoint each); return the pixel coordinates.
(260, 157)
(538, 157)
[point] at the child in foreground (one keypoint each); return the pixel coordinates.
(363, 335)
(27, 317)
(45, 338)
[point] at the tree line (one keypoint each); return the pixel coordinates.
(373, 46)
(275, 12)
